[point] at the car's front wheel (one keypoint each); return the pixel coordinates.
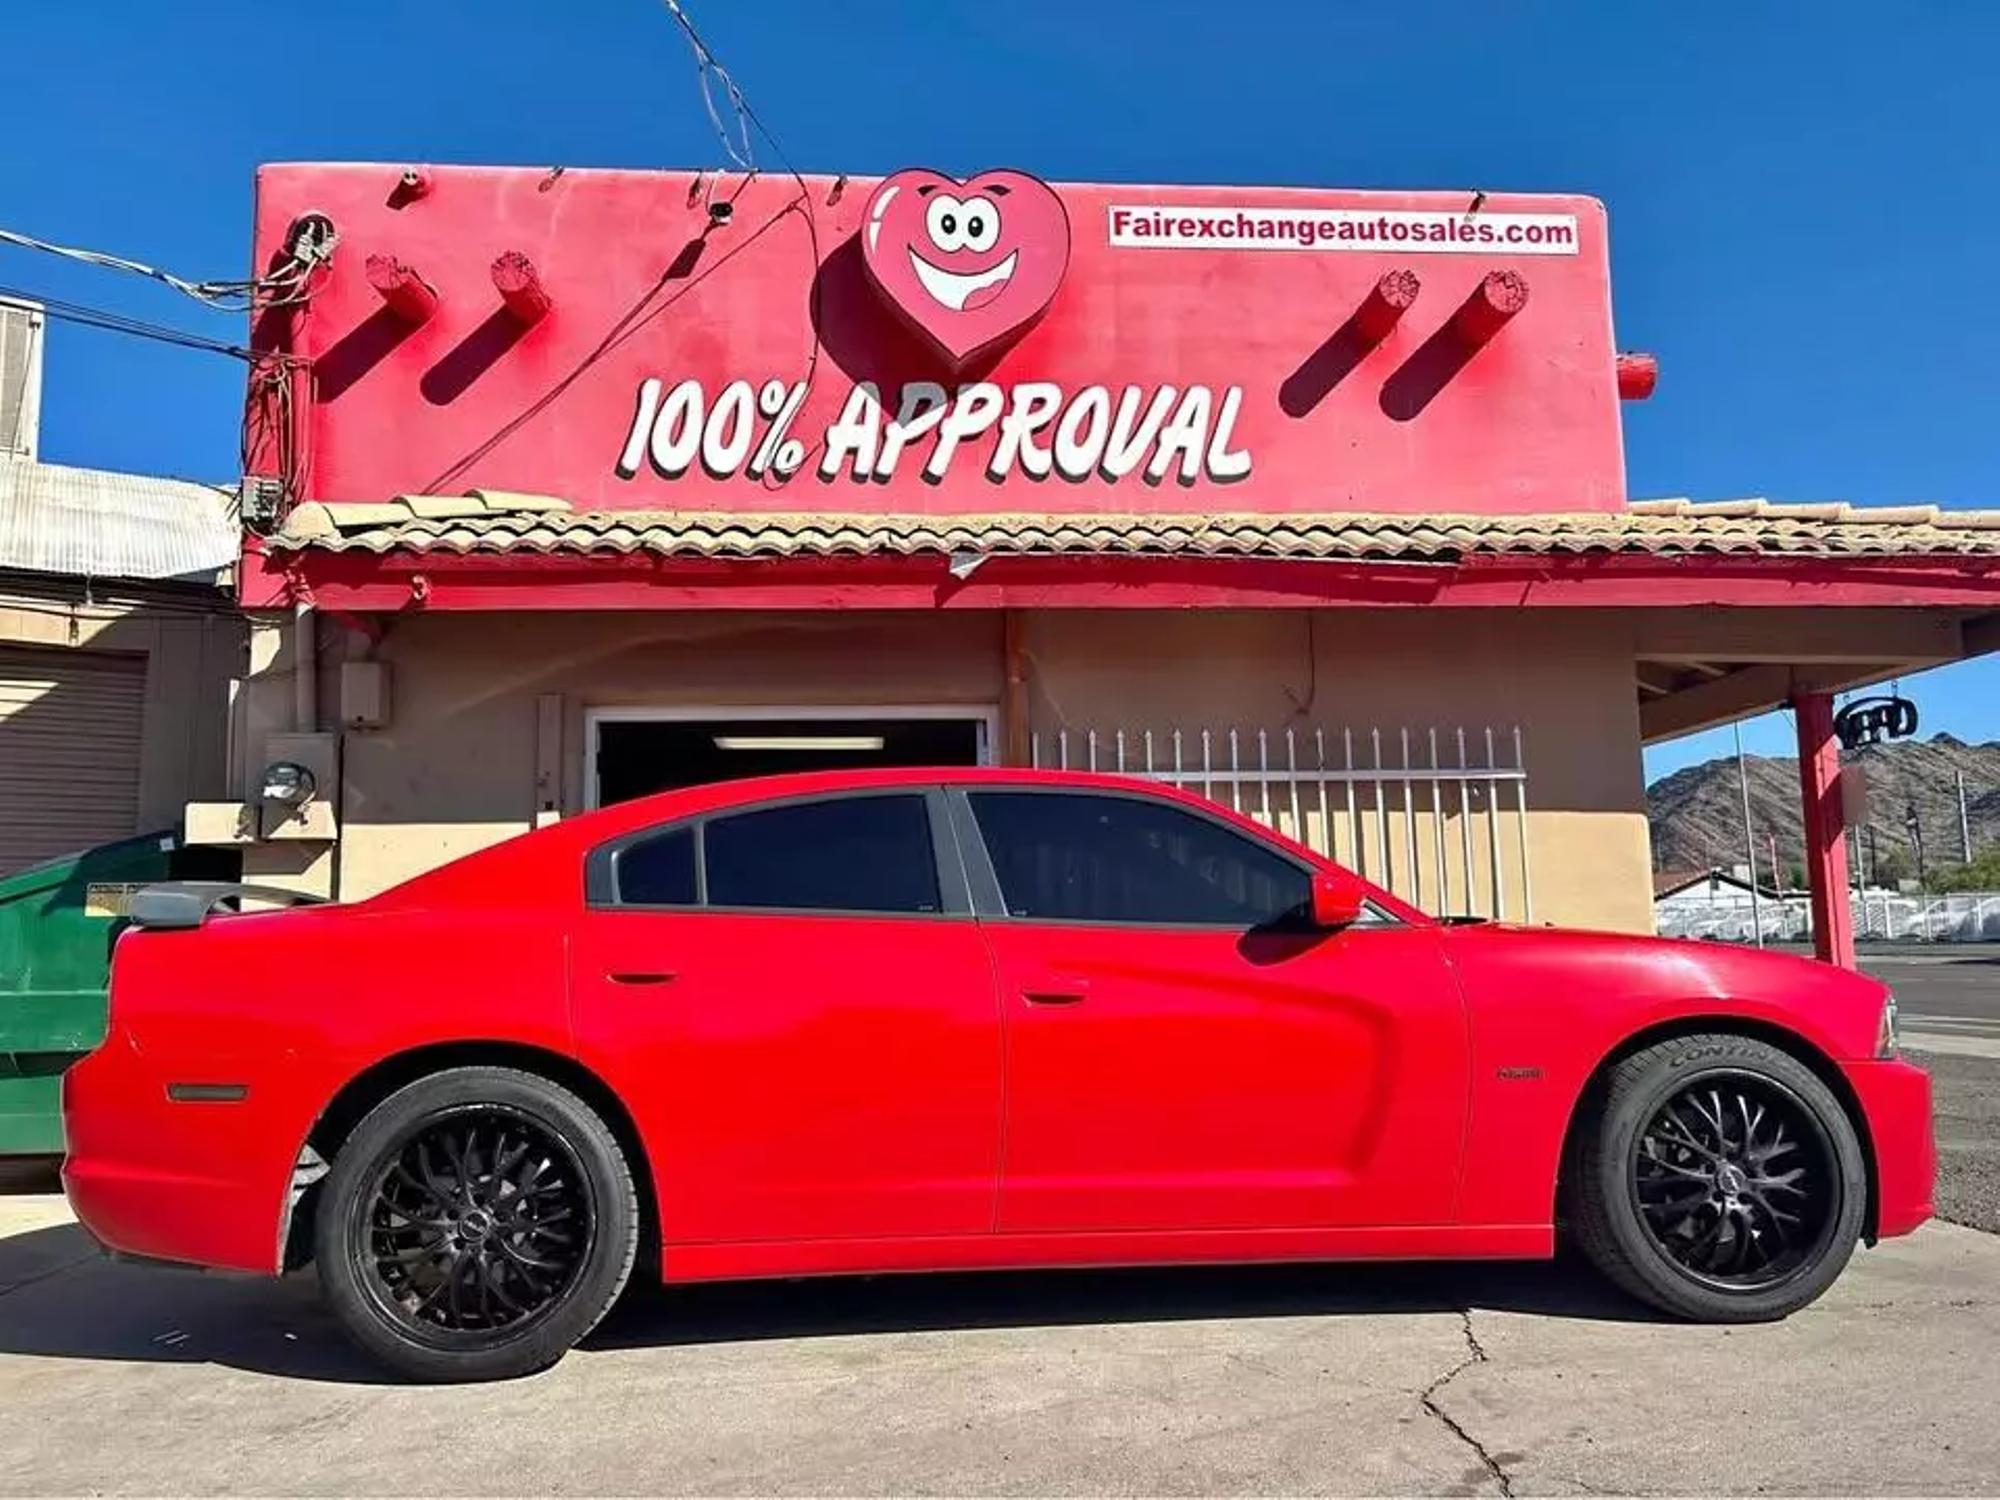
(1718, 1178)
(476, 1224)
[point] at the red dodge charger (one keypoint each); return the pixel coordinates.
(930, 1020)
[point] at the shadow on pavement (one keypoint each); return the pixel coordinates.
(29, 1175)
(60, 1299)
(729, 1312)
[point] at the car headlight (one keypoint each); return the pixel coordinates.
(1885, 1034)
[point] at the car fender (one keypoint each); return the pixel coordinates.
(1549, 1009)
(290, 1007)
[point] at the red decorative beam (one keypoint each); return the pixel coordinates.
(402, 290)
(1385, 305)
(1638, 374)
(1498, 297)
(520, 288)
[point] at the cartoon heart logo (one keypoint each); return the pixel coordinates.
(968, 264)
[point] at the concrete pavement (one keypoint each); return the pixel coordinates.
(1966, 1112)
(1467, 1380)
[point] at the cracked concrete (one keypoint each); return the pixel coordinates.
(1512, 1380)
(1476, 1355)
(1883, 1387)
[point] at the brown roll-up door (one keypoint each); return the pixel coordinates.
(71, 723)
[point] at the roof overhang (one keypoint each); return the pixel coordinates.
(489, 550)
(391, 581)
(1737, 607)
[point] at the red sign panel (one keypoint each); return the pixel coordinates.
(929, 343)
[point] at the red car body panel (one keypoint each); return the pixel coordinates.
(1208, 1080)
(832, 1093)
(864, 1102)
(294, 1005)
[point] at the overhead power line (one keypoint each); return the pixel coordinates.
(97, 317)
(289, 284)
(709, 72)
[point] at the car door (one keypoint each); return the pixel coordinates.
(1183, 1050)
(795, 1002)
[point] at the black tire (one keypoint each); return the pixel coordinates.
(1717, 1178)
(446, 1264)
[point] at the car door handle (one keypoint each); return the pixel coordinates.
(1056, 990)
(641, 976)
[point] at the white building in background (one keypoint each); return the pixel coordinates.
(119, 634)
(1716, 905)
(1719, 903)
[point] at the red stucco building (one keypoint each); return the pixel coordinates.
(580, 483)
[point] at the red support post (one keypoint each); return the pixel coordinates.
(1826, 842)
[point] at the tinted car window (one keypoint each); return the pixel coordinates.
(1079, 857)
(847, 854)
(658, 871)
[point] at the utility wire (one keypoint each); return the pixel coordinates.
(284, 286)
(709, 66)
(97, 317)
(709, 72)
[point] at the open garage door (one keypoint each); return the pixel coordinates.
(636, 752)
(71, 726)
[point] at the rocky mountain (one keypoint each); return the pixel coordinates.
(1697, 812)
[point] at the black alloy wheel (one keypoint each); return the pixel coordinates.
(1735, 1183)
(475, 1225)
(1717, 1177)
(480, 1223)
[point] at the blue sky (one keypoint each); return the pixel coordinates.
(1802, 200)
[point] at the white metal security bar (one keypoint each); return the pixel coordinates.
(1440, 817)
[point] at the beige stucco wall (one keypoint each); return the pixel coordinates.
(1568, 689)
(193, 645)
(457, 767)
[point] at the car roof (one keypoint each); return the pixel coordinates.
(715, 795)
(561, 845)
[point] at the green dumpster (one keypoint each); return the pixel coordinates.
(57, 923)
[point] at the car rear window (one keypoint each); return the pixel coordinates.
(866, 854)
(869, 853)
(659, 870)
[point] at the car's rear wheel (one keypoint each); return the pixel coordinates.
(476, 1224)
(1718, 1178)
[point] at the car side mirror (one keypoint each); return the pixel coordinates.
(1337, 899)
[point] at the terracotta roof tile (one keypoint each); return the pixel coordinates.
(493, 521)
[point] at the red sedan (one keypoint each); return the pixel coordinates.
(902, 1021)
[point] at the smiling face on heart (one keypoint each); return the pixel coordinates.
(968, 265)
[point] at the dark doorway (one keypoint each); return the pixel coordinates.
(637, 757)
